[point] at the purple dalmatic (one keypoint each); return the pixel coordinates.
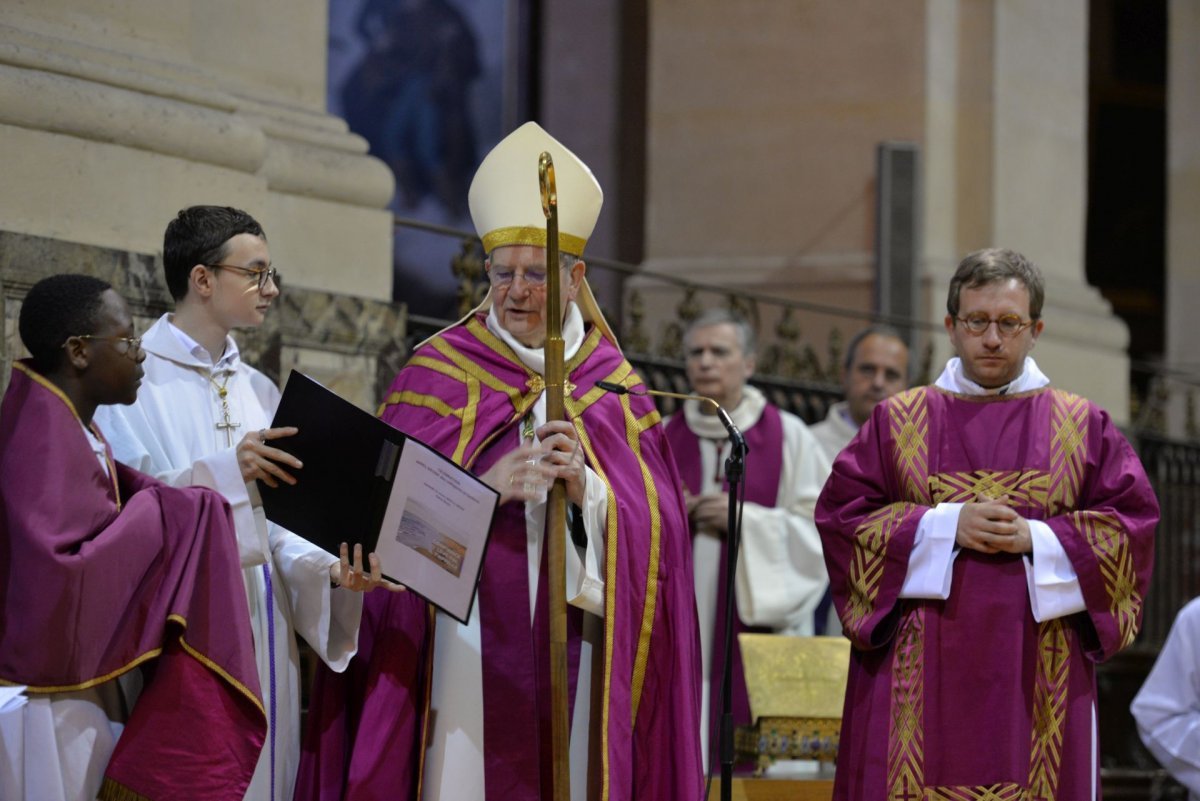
(465, 394)
(103, 573)
(971, 697)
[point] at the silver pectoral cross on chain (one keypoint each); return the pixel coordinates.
(227, 425)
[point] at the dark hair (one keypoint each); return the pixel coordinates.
(56, 308)
(988, 266)
(199, 235)
(873, 330)
(720, 315)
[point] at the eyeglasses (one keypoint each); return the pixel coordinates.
(131, 347)
(260, 274)
(1008, 325)
(500, 277)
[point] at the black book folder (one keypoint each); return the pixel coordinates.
(350, 459)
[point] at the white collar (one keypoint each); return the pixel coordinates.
(535, 358)
(745, 415)
(952, 379)
(98, 448)
(168, 341)
(229, 357)
(839, 414)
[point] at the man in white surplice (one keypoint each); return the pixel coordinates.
(875, 367)
(1167, 707)
(780, 573)
(203, 417)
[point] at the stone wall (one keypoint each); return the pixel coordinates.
(351, 344)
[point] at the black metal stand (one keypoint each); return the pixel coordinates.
(735, 467)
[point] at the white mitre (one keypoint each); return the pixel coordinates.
(506, 196)
(506, 205)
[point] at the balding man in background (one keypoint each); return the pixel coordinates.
(876, 367)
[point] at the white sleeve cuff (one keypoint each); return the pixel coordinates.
(1053, 584)
(584, 568)
(931, 563)
(327, 618)
(220, 471)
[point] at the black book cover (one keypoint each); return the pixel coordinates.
(349, 460)
(343, 492)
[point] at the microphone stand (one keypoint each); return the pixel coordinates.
(735, 469)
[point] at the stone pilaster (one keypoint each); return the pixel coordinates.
(1008, 158)
(114, 116)
(1183, 210)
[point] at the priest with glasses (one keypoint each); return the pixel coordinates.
(989, 539)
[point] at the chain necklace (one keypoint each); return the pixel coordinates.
(227, 425)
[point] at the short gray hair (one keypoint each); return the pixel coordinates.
(718, 316)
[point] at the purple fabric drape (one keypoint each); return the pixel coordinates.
(102, 574)
(764, 464)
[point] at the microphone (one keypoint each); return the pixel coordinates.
(734, 434)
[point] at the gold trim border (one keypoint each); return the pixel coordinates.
(531, 235)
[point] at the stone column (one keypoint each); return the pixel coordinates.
(1183, 209)
(115, 115)
(1007, 127)
(1040, 191)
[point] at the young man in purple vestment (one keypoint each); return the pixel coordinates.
(436, 709)
(105, 570)
(780, 573)
(989, 540)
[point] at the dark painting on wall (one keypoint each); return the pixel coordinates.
(432, 85)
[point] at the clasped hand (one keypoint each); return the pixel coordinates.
(990, 525)
(524, 474)
(708, 512)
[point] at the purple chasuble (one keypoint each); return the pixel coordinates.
(971, 697)
(107, 573)
(465, 393)
(764, 464)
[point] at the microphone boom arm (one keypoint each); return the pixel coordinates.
(735, 434)
(734, 470)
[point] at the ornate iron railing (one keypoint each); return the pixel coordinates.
(801, 376)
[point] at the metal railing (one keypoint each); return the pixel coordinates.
(799, 373)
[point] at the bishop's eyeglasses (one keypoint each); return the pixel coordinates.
(1007, 325)
(502, 277)
(259, 274)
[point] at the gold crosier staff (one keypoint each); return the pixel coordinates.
(556, 510)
